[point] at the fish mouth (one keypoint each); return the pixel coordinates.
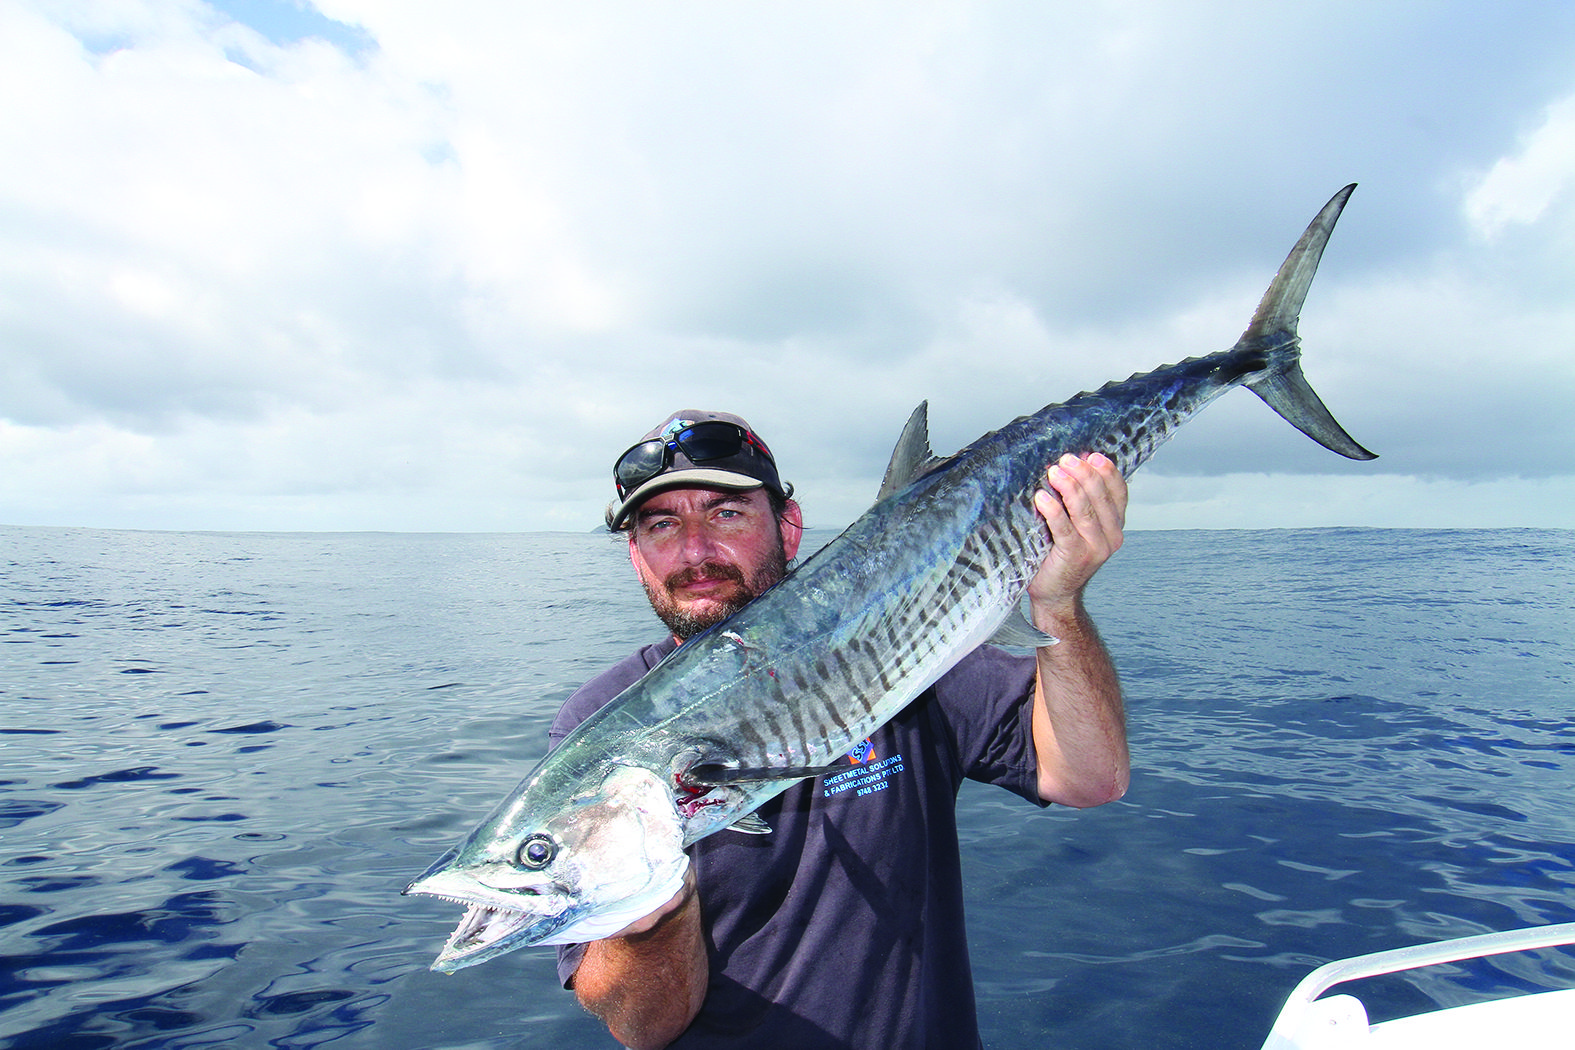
(485, 930)
(490, 926)
(489, 929)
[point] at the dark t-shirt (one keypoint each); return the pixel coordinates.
(844, 926)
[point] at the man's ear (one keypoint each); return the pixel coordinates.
(792, 528)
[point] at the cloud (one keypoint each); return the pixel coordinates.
(1520, 189)
(395, 265)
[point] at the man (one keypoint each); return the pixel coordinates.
(843, 926)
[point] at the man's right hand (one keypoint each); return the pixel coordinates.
(648, 982)
(685, 893)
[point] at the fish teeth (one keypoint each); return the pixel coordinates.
(462, 902)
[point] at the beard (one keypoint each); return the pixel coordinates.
(685, 623)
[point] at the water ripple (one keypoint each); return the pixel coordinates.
(226, 754)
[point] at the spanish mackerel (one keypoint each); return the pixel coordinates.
(594, 837)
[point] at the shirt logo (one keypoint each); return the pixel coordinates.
(863, 752)
(868, 774)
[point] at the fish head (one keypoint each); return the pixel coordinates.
(580, 870)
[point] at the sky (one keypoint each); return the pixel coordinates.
(398, 265)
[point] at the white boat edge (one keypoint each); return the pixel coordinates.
(1339, 1022)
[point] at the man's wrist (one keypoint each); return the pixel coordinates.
(1055, 615)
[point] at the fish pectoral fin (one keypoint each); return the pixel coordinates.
(751, 824)
(714, 774)
(1017, 631)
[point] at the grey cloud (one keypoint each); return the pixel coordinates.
(501, 241)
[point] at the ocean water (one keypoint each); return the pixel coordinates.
(223, 755)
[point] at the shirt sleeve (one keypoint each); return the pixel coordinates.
(988, 702)
(590, 697)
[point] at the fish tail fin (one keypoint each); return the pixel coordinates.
(1272, 333)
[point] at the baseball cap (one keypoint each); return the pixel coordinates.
(692, 448)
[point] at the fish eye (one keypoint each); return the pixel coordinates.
(537, 851)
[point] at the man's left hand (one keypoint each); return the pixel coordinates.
(1086, 523)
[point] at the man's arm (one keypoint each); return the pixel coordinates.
(1079, 725)
(648, 981)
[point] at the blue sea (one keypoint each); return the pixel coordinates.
(223, 755)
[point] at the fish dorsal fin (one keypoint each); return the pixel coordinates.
(1017, 631)
(912, 456)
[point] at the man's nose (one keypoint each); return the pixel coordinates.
(699, 544)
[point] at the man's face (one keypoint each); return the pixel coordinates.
(703, 554)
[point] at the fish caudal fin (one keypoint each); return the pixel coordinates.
(1272, 332)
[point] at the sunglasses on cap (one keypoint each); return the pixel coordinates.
(704, 442)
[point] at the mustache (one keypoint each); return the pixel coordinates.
(709, 571)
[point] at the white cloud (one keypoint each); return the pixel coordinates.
(1520, 189)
